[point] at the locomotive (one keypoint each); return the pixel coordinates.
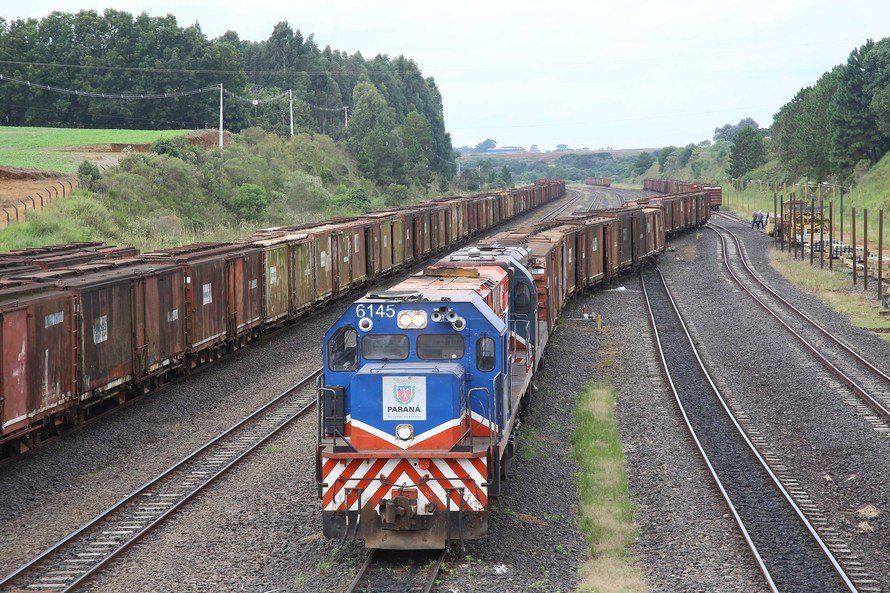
(423, 382)
(419, 399)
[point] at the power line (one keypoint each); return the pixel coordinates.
(126, 97)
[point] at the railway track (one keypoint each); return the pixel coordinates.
(868, 383)
(75, 559)
(788, 550)
(398, 572)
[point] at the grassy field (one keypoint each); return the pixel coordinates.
(836, 289)
(45, 148)
(606, 509)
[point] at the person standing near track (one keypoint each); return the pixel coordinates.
(753, 219)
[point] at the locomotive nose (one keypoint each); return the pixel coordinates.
(406, 404)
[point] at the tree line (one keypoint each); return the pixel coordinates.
(841, 122)
(396, 125)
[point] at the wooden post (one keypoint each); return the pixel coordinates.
(865, 249)
(784, 222)
(842, 214)
(812, 228)
(801, 227)
(792, 246)
(853, 231)
(880, 252)
(775, 224)
(821, 233)
(831, 235)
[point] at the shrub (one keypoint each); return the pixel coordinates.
(88, 174)
(250, 201)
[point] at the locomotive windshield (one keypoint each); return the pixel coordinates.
(440, 346)
(385, 347)
(343, 350)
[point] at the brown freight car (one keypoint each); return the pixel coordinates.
(37, 330)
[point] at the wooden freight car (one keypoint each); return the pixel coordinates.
(114, 323)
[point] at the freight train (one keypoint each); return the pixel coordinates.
(602, 181)
(672, 186)
(84, 326)
(423, 382)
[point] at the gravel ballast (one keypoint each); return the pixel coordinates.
(836, 457)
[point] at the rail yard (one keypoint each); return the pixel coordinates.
(221, 459)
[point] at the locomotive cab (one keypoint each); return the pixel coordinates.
(416, 407)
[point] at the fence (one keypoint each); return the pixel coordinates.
(818, 225)
(17, 210)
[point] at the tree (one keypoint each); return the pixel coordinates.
(250, 201)
(854, 132)
(485, 145)
(729, 131)
(534, 148)
(747, 152)
(506, 177)
(663, 155)
(642, 163)
(417, 139)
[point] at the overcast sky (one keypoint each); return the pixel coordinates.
(621, 74)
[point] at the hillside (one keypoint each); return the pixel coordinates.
(188, 193)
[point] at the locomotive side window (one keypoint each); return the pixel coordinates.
(385, 346)
(485, 357)
(523, 297)
(343, 350)
(440, 346)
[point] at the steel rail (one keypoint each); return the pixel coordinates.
(781, 488)
(357, 584)
(42, 559)
(857, 389)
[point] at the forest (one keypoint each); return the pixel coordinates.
(396, 125)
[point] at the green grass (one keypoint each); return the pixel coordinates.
(40, 148)
(606, 509)
(836, 289)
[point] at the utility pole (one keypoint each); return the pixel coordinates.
(220, 115)
(290, 96)
(345, 116)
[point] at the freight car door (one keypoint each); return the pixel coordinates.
(14, 409)
(303, 275)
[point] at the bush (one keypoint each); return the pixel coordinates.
(88, 174)
(396, 195)
(250, 201)
(166, 146)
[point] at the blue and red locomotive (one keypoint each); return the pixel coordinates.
(422, 386)
(423, 382)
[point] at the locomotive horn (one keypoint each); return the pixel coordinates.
(436, 316)
(459, 323)
(451, 316)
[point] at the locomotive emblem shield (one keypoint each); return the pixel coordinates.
(404, 398)
(404, 393)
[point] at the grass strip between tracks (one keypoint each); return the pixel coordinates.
(836, 290)
(606, 509)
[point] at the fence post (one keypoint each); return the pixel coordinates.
(821, 233)
(775, 223)
(842, 214)
(831, 235)
(855, 260)
(812, 228)
(865, 249)
(801, 226)
(880, 252)
(784, 222)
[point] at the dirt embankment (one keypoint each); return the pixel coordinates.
(17, 184)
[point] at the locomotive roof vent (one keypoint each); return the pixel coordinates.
(474, 252)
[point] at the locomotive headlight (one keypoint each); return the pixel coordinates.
(405, 432)
(412, 319)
